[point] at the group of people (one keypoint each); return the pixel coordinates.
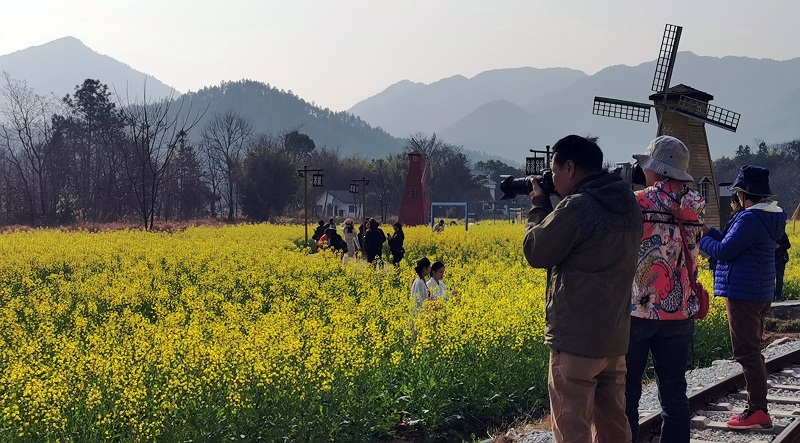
(434, 287)
(622, 285)
(367, 239)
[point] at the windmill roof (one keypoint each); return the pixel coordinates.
(675, 92)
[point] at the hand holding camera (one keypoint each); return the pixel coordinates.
(532, 186)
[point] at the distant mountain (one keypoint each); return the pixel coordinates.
(273, 111)
(57, 67)
(496, 127)
(406, 108)
(60, 65)
(766, 93)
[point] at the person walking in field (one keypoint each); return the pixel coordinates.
(374, 238)
(419, 288)
(396, 243)
(588, 244)
(745, 276)
(318, 233)
(781, 258)
(662, 300)
(350, 238)
(362, 229)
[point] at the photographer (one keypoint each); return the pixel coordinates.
(589, 245)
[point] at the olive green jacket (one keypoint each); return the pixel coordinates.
(589, 245)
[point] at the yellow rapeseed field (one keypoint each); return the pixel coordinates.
(236, 333)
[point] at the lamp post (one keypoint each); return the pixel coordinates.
(316, 181)
(534, 165)
(354, 190)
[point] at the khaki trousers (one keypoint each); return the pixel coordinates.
(587, 399)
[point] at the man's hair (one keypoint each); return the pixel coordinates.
(583, 151)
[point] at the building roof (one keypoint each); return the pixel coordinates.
(343, 196)
(674, 94)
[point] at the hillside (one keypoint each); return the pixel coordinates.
(406, 108)
(58, 66)
(273, 111)
(764, 91)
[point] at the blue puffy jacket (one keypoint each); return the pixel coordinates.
(745, 254)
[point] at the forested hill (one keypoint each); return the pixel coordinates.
(274, 111)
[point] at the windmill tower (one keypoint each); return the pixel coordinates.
(415, 209)
(682, 112)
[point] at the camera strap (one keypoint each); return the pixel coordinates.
(670, 219)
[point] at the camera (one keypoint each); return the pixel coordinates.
(631, 173)
(513, 187)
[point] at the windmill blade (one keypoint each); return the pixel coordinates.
(708, 113)
(611, 107)
(666, 57)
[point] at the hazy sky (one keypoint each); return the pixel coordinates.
(336, 53)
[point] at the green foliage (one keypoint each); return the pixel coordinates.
(298, 144)
(269, 182)
(782, 160)
(273, 111)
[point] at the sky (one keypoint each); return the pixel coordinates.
(337, 53)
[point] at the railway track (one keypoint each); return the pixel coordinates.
(713, 405)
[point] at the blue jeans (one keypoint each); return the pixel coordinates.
(669, 341)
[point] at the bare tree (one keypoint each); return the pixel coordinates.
(388, 177)
(433, 149)
(26, 136)
(225, 137)
(212, 175)
(154, 132)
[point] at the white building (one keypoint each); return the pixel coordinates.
(339, 204)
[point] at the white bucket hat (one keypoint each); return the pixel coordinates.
(667, 156)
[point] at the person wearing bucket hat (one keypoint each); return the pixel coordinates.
(745, 276)
(666, 156)
(662, 298)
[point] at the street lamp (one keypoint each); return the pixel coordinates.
(534, 165)
(316, 181)
(354, 190)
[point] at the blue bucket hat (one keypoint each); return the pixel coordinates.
(753, 180)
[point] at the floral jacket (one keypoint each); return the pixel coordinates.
(661, 287)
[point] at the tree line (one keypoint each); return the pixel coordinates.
(782, 160)
(94, 157)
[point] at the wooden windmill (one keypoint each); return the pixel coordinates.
(682, 113)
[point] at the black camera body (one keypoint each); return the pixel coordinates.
(513, 187)
(631, 173)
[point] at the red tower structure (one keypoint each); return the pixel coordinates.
(416, 206)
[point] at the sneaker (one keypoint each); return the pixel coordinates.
(757, 419)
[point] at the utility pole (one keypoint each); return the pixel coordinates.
(354, 190)
(316, 181)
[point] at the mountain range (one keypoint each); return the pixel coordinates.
(500, 113)
(57, 67)
(509, 111)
